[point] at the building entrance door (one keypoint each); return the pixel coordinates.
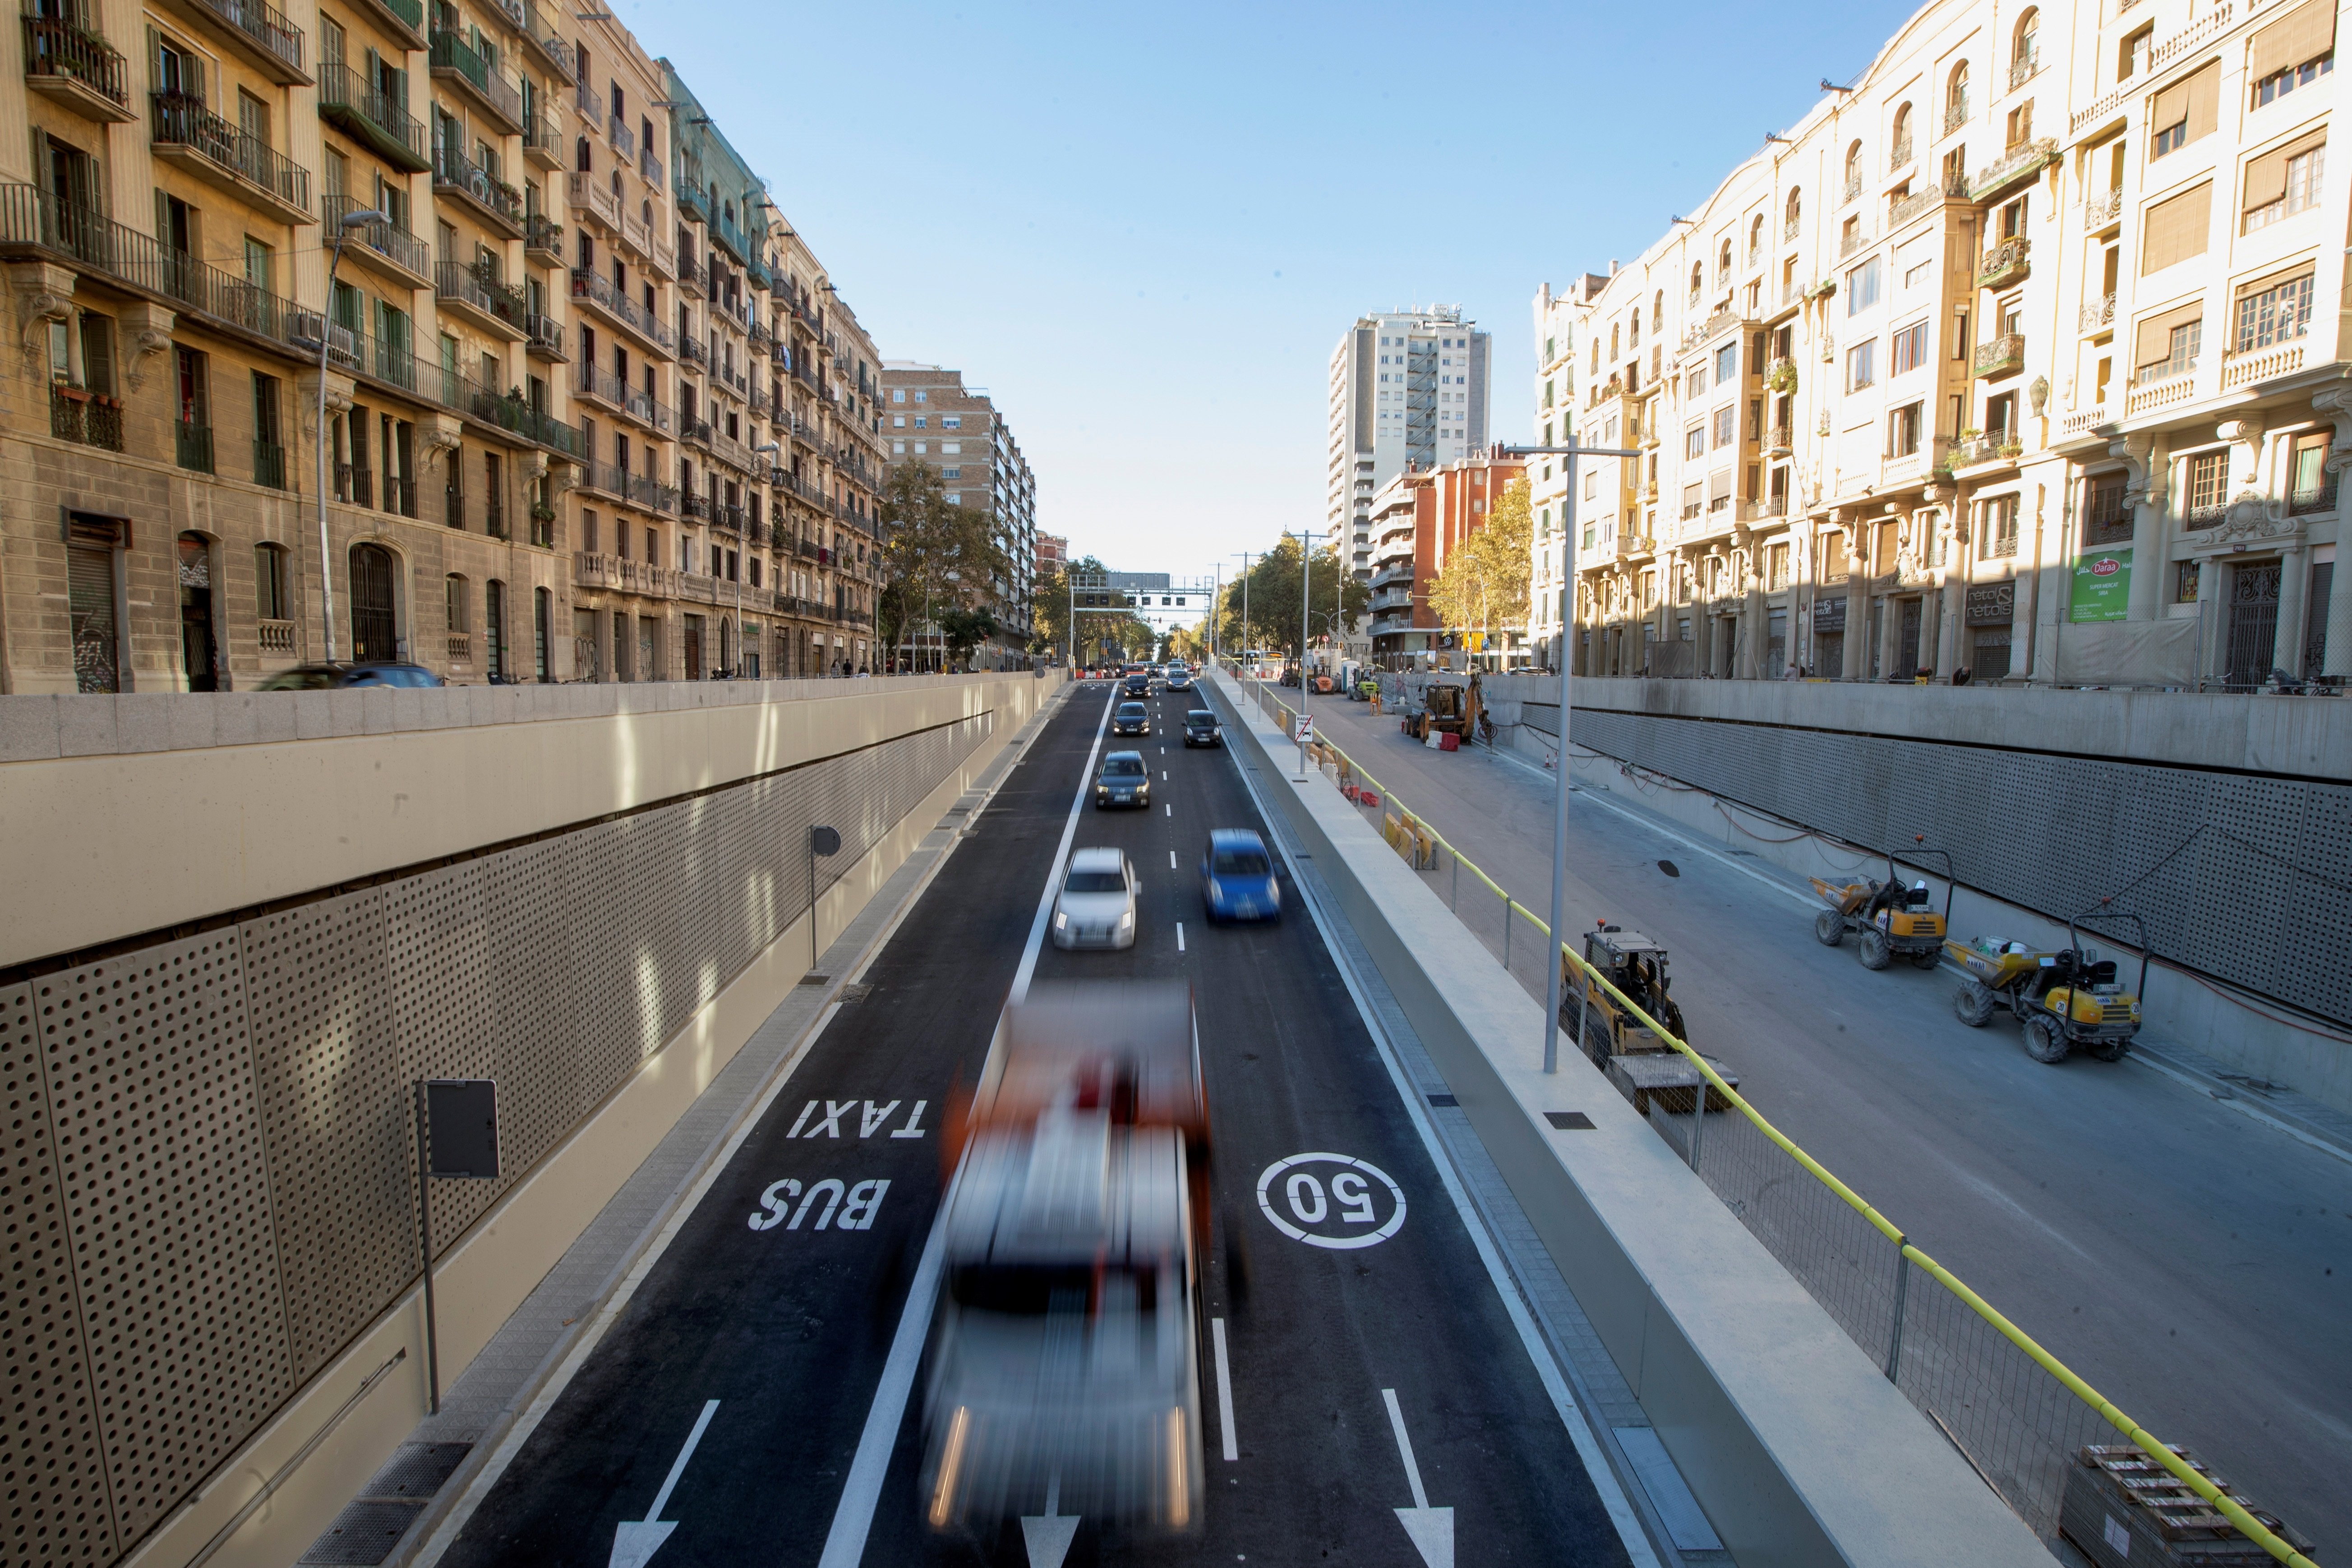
(694, 670)
(2254, 624)
(375, 634)
(1907, 645)
(89, 594)
(199, 653)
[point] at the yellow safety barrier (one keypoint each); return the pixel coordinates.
(1400, 824)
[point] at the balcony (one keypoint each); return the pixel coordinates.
(2022, 69)
(75, 68)
(190, 136)
(257, 30)
(1978, 450)
(542, 141)
(693, 352)
(191, 446)
(2320, 496)
(394, 254)
(625, 576)
(2159, 385)
(2095, 315)
(84, 418)
(1911, 205)
(553, 52)
(1777, 441)
(269, 465)
(2003, 355)
(601, 295)
(403, 18)
(454, 61)
(693, 278)
(2102, 210)
(543, 340)
(1956, 113)
(696, 432)
(650, 167)
(2019, 164)
(1853, 239)
(1898, 157)
(587, 190)
(373, 118)
(1853, 188)
(542, 240)
(2244, 368)
(495, 203)
(625, 140)
(694, 508)
(477, 296)
(597, 382)
(2005, 264)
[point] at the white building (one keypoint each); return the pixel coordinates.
(1409, 388)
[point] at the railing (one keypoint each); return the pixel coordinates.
(396, 245)
(692, 276)
(84, 418)
(587, 190)
(1853, 239)
(453, 171)
(2095, 315)
(2091, 419)
(2022, 69)
(2004, 264)
(2191, 37)
(1899, 155)
(452, 54)
(191, 445)
(599, 290)
(2164, 370)
(2025, 159)
(183, 122)
(270, 464)
(2102, 108)
(2102, 209)
(1956, 114)
(1792, 227)
(553, 49)
(545, 333)
(629, 576)
(2148, 393)
(2031, 1408)
(543, 136)
(694, 507)
(2000, 545)
(263, 24)
(341, 88)
(625, 140)
(692, 351)
(55, 47)
(2261, 364)
(650, 167)
(543, 234)
(1902, 209)
(1778, 439)
(1852, 187)
(589, 102)
(465, 285)
(277, 637)
(2316, 498)
(459, 646)
(595, 381)
(1997, 356)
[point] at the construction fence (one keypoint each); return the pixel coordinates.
(2021, 1416)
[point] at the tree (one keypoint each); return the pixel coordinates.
(964, 630)
(936, 556)
(1272, 595)
(1483, 585)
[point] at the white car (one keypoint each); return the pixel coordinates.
(1096, 907)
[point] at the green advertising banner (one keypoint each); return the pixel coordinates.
(2102, 584)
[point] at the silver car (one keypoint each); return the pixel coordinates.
(1096, 907)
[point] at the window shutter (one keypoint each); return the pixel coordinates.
(2170, 108)
(2176, 229)
(2153, 342)
(162, 219)
(2204, 100)
(2266, 175)
(2303, 34)
(2275, 280)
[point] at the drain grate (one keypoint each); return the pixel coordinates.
(417, 1470)
(854, 992)
(365, 1532)
(814, 978)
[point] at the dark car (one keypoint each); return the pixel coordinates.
(1179, 678)
(1124, 781)
(1132, 719)
(1138, 685)
(332, 676)
(1200, 729)
(1237, 879)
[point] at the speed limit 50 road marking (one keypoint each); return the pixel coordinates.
(1340, 1210)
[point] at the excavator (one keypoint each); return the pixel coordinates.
(1449, 710)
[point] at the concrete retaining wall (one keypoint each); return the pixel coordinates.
(1798, 1449)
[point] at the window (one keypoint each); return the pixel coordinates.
(453, 603)
(2209, 486)
(1695, 441)
(2168, 345)
(1909, 349)
(2021, 126)
(1997, 526)
(922, 396)
(2001, 417)
(2184, 581)
(2310, 487)
(2132, 54)
(2176, 229)
(1862, 365)
(951, 473)
(269, 600)
(1726, 425)
(950, 421)
(922, 421)
(1727, 363)
(1862, 286)
(1697, 381)
(2105, 518)
(2284, 182)
(2292, 52)
(2186, 112)
(2272, 312)
(1903, 431)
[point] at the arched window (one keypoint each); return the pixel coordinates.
(375, 627)
(2025, 49)
(1900, 152)
(1853, 170)
(1658, 313)
(586, 157)
(1633, 328)
(1955, 97)
(1723, 262)
(1756, 239)
(1794, 216)
(1698, 280)
(199, 647)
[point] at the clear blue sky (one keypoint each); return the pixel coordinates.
(1144, 230)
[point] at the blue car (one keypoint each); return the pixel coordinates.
(1237, 879)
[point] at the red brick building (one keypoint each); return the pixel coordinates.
(1418, 520)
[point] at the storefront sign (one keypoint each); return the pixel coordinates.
(1829, 614)
(1993, 604)
(2102, 585)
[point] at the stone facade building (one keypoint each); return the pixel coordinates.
(2009, 359)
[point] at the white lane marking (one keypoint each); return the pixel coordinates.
(1163, 772)
(1430, 1529)
(853, 1516)
(678, 1468)
(914, 1128)
(1404, 1447)
(1224, 1389)
(1630, 1531)
(1168, 809)
(1179, 936)
(635, 1542)
(1171, 859)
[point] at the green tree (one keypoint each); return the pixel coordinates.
(1484, 586)
(936, 556)
(964, 630)
(1273, 599)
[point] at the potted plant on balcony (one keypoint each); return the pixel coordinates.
(1781, 377)
(2012, 448)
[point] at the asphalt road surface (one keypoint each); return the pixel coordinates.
(790, 1329)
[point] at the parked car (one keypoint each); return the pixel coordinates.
(1096, 907)
(1200, 729)
(1131, 718)
(1124, 781)
(1237, 879)
(334, 676)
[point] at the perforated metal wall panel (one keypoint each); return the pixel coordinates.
(2057, 834)
(49, 1461)
(157, 1127)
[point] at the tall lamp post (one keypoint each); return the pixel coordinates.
(740, 662)
(1247, 660)
(350, 221)
(1559, 782)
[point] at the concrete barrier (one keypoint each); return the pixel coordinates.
(1800, 1451)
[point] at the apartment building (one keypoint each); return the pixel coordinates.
(168, 226)
(2004, 361)
(1053, 556)
(937, 420)
(1408, 388)
(1418, 520)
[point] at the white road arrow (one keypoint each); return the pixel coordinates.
(1431, 1529)
(633, 1542)
(1049, 1535)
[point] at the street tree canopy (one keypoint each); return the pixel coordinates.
(1484, 586)
(936, 556)
(1102, 636)
(1273, 599)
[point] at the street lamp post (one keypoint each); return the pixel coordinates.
(350, 221)
(1560, 782)
(1250, 664)
(740, 662)
(1305, 683)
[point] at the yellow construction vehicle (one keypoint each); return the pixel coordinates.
(1447, 710)
(2065, 999)
(1638, 1062)
(1889, 920)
